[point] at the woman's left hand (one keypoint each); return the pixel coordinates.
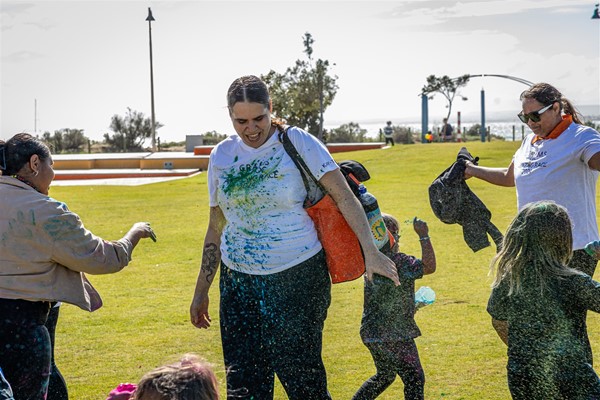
(378, 263)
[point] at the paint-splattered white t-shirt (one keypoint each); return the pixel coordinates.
(261, 194)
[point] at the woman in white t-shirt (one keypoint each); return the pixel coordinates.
(559, 161)
(274, 284)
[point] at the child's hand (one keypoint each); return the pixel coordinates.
(420, 227)
(593, 249)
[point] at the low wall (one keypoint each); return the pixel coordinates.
(159, 160)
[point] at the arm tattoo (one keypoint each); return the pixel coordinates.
(210, 260)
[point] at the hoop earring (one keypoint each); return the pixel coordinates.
(36, 173)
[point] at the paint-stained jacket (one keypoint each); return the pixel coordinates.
(45, 249)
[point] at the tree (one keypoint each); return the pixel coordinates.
(66, 140)
(304, 91)
(448, 87)
(213, 137)
(347, 133)
(130, 131)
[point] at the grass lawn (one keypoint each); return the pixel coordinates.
(145, 318)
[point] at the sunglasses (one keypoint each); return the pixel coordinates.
(534, 116)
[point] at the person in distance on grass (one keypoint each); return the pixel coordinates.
(44, 252)
(388, 327)
(275, 289)
(538, 306)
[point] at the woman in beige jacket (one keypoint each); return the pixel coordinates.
(44, 252)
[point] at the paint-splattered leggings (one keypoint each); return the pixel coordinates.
(273, 324)
(391, 358)
(25, 347)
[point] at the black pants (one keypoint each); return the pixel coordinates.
(391, 359)
(273, 324)
(389, 140)
(57, 388)
(25, 351)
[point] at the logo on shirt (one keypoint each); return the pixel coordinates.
(534, 161)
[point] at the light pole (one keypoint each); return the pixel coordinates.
(150, 18)
(321, 95)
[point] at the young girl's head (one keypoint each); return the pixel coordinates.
(393, 228)
(189, 379)
(538, 244)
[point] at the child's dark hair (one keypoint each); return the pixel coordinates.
(538, 244)
(17, 151)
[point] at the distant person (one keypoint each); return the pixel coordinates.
(388, 132)
(558, 161)
(428, 137)
(44, 252)
(446, 131)
(538, 307)
(275, 288)
(388, 327)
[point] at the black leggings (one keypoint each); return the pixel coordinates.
(26, 351)
(391, 359)
(57, 388)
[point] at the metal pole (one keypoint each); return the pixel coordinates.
(150, 18)
(320, 105)
(424, 117)
(482, 129)
(458, 132)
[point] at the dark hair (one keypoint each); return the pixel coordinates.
(248, 89)
(17, 151)
(251, 89)
(548, 94)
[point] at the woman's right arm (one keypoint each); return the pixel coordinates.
(211, 258)
(496, 176)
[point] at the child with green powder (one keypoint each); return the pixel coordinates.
(388, 326)
(538, 307)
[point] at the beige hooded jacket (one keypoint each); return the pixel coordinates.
(45, 249)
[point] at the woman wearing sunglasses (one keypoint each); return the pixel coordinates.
(559, 161)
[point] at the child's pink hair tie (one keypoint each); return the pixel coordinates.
(122, 392)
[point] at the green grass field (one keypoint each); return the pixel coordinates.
(145, 319)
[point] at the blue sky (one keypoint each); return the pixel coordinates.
(84, 61)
